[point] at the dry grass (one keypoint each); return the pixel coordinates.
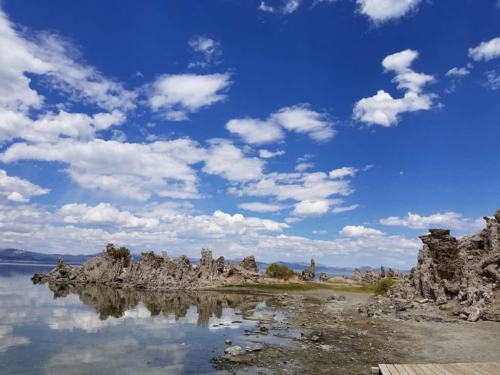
(338, 280)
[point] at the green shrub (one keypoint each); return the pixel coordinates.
(383, 287)
(280, 271)
(120, 253)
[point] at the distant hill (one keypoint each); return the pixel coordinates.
(31, 257)
(22, 256)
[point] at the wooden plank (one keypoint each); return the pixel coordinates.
(385, 370)
(453, 370)
(471, 370)
(480, 368)
(392, 370)
(427, 370)
(401, 369)
(493, 368)
(436, 369)
(410, 370)
(417, 369)
(446, 371)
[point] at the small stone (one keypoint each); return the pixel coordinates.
(235, 350)
(228, 342)
(462, 317)
(315, 338)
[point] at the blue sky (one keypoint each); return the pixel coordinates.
(288, 129)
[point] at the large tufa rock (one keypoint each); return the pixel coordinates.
(308, 275)
(357, 275)
(150, 272)
(249, 264)
(466, 270)
(371, 277)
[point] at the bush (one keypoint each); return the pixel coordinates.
(383, 287)
(120, 253)
(280, 271)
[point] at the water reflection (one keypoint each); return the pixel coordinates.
(110, 302)
(46, 329)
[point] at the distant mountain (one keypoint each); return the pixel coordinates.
(22, 256)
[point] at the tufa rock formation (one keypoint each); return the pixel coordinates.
(464, 272)
(323, 277)
(308, 275)
(153, 271)
(357, 275)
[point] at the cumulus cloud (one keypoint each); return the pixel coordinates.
(299, 118)
(382, 108)
(457, 72)
(261, 207)
(178, 95)
(359, 231)
(130, 170)
(303, 166)
(343, 172)
(209, 49)
(18, 190)
(266, 8)
(450, 220)
(311, 208)
(486, 50)
(256, 132)
(380, 11)
(226, 160)
(103, 214)
(266, 154)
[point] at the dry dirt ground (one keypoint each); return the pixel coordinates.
(328, 336)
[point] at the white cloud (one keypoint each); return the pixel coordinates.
(17, 190)
(261, 207)
(320, 231)
(126, 169)
(266, 154)
(288, 7)
(383, 109)
(254, 131)
(343, 172)
(209, 49)
(338, 210)
(450, 220)
(492, 80)
(359, 231)
(265, 8)
(299, 118)
(291, 6)
(311, 208)
(226, 160)
(103, 214)
(486, 50)
(384, 10)
(295, 186)
(179, 95)
(303, 166)
(457, 72)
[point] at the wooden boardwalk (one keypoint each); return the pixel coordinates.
(442, 369)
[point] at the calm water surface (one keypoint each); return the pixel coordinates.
(99, 330)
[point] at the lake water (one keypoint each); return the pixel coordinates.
(100, 330)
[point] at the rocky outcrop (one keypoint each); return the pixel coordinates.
(249, 264)
(153, 272)
(308, 275)
(357, 275)
(371, 277)
(323, 277)
(465, 271)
